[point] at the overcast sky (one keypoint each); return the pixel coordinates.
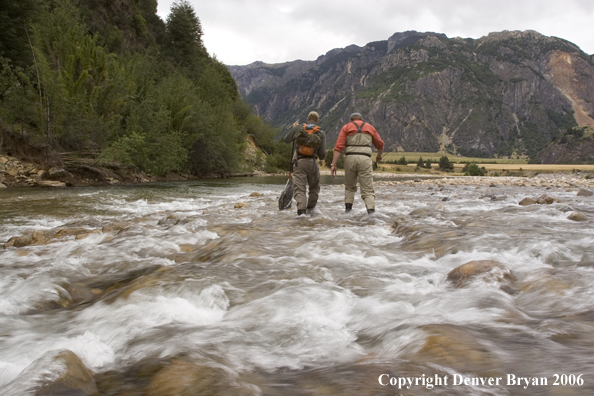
(240, 32)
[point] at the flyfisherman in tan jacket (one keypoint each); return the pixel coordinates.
(309, 143)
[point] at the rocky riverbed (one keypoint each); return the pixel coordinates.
(206, 287)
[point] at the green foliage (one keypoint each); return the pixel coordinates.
(184, 32)
(472, 169)
(562, 120)
(402, 161)
(420, 162)
(329, 157)
(445, 165)
(142, 92)
(15, 19)
(281, 159)
(428, 164)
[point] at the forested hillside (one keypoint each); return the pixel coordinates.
(112, 78)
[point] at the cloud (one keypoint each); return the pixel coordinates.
(240, 32)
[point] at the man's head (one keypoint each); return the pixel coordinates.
(356, 116)
(313, 117)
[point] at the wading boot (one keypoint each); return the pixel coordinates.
(310, 210)
(348, 207)
(370, 211)
(301, 212)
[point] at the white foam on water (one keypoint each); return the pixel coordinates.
(294, 327)
(118, 324)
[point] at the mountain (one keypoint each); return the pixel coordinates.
(574, 146)
(503, 94)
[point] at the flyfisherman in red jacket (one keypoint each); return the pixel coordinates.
(355, 139)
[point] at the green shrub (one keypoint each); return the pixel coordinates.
(445, 165)
(472, 169)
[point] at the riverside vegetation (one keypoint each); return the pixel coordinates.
(117, 83)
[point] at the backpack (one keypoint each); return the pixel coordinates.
(308, 139)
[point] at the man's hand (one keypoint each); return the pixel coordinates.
(333, 170)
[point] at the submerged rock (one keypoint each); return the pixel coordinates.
(30, 238)
(584, 193)
(453, 346)
(55, 373)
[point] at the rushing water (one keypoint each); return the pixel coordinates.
(169, 289)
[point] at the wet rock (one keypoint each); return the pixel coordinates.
(256, 194)
(528, 201)
(116, 227)
(51, 183)
(584, 193)
(546, 200)
(241, 205)
(424, 239)
(80, 293)
(181, 377)
(29, 238)
(66, 232)
(490, 270)
(455, 347)
(420, 212)
(2, 185)
(577, 216)
(55, 173)
(545, 283)
(86, 234)
(169, 220)
(138, 280)
(55, 373)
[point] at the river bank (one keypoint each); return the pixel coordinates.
(17, 173)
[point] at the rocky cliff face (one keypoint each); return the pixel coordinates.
(574, 146)
(506, 93)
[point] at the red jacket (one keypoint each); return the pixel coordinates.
(350, 129)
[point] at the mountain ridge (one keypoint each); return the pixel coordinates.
(506, 93)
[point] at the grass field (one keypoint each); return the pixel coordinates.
(494, 166)
(434, 158)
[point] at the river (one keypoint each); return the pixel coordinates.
(206, 288)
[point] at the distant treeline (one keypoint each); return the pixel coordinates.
(114, 78)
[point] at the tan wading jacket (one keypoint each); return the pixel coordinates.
(320, 152)
(359, 143)
(351, 141)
